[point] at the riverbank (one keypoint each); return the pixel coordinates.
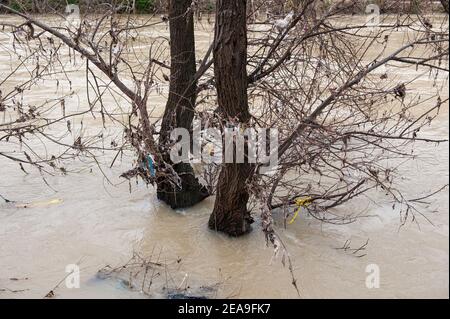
(208, 6)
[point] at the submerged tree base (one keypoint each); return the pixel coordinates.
(231, 223)
(191, 193)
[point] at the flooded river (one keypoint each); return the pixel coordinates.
(96, 221)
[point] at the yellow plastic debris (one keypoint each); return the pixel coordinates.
(300, 202)
(39, 203)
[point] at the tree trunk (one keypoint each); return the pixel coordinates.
(179, 111)
(445, 5)
(230, 214)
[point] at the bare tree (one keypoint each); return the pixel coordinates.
(315, 80)
(230, 214)
(179, 111)
(104, 43)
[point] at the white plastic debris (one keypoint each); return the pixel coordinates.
(282, 24)
(73, 19)
(116, 50)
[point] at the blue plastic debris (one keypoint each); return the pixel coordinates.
(151, 166)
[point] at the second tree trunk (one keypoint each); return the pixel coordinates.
(230, 214)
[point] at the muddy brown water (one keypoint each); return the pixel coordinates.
(94, 223)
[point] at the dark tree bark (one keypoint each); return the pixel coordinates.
(445, 5)
(179, 112)
(230, 214)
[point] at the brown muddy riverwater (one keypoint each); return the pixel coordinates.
(95, 224)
